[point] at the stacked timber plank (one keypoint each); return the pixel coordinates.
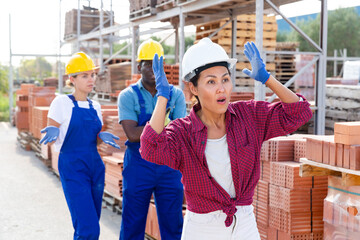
(342, 105)
(287, 206)
(285, 63)
(113, 78)
(89, 20)
(246, 28)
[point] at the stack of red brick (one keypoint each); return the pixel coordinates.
(113, 126)
(38, 97)
(287, 206)
(172, 73)
(134, 79)
(114, 166)
(22, 110)
(39, 120)
(341, 149)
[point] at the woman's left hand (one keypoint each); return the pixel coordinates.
(162, 84)
(108, 138)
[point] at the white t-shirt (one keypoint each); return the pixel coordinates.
(218, 161)
(61, 111)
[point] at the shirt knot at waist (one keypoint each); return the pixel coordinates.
(230, 212)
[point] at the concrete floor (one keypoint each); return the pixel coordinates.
(32, 204)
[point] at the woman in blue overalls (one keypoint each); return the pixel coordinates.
(141, 178)
(74, 122)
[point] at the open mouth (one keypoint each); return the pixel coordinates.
(221, 100)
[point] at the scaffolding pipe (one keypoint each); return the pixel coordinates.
(10, 74)
(78, 26)
(259, 91)
(101, 50)
(233, 46)
(60, 76)
(181, 45)
(134, 43)
(321, 80)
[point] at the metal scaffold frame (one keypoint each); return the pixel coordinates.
(183, 13)
(186, 10)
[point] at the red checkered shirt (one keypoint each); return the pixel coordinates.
(181, 145)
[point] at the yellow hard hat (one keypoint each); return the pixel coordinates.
(79, 62)
(147, 50)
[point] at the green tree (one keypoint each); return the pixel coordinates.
(36, 69)
(343, 32)
(4, 76)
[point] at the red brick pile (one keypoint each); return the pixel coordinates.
(113, 126)
(287, 206)
(340, 150)
(38, 97)
(114, 166)
(22, 110)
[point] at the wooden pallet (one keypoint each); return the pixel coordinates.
(112, 202)
(310, 168)
(142, 13)
(164, 5)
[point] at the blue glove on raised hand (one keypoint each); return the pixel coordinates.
(108, 138)
(258, 72)
(162, 84)
(51, 134)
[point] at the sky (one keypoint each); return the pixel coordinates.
(35, 23)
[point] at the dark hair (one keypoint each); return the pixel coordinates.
(194, 81)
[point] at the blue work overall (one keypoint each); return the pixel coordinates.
(140, 180)
(82, 171)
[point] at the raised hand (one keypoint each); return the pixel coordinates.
(162, 84)
(258, 72)
(52, 134)
(108, 138)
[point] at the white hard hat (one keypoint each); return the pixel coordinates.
(201, 54)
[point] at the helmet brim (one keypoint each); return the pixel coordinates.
(231, 64)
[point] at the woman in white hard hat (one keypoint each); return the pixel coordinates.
(74, 123)
(217, 146)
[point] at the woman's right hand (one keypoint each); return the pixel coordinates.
(162, 84)
(52, 134)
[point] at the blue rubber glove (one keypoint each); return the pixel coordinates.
(258, 72)
(108, 138)
(52, 134)
(162, 84)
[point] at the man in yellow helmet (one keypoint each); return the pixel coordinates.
(141, 179)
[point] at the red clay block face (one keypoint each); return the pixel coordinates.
(332, 154)
(346, 159)
(339, 154)
(355, 157)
